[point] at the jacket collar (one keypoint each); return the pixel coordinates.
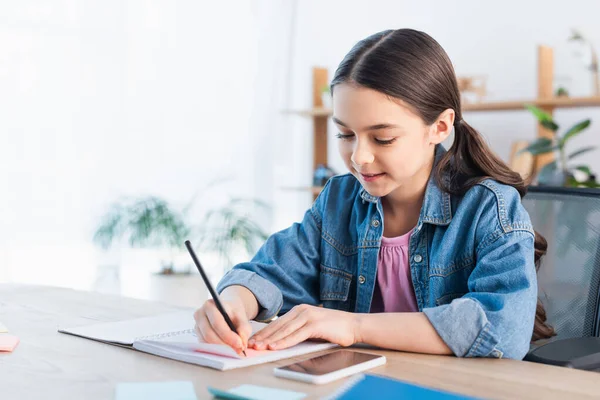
(436, 207)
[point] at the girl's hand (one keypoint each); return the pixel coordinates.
(212, 328)
(307, 322)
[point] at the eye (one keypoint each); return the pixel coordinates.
(385, 142)
(344, 136)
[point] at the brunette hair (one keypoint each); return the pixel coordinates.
(410, 65)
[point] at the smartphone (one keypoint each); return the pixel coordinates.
(329, 367)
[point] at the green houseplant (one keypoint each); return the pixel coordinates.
(151, 222)
(561, 172)
(230, 227)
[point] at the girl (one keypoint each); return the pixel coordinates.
(416, 249)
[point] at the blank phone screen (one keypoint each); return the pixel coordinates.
(330, 362)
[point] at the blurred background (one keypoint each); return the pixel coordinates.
(129, 126)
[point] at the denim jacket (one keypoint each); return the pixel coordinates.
(471, 260)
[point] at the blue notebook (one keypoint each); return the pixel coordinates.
(365, 386)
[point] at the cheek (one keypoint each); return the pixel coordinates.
(406, 159)
(345, 150)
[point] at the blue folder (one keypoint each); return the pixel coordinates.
(374, 386)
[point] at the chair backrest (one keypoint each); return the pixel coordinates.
(569, 276)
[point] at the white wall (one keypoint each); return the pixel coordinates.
(109, 98)
(102, 99)
(496, 39)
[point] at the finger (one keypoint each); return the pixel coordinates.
(220, 327)
(199, 335)
(260, 336)
(244, 329)
(298, 336)
(274, 326)
(198, 314)
(286, 330)
(207, 334)
(299, 311)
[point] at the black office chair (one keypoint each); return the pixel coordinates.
(569, 277)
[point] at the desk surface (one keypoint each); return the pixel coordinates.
(49, 365)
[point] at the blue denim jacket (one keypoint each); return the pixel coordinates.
(471, 259)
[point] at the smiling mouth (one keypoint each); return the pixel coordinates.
(371, 177)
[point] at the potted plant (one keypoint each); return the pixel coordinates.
(150, 222)
(229, 228)
(561, 172)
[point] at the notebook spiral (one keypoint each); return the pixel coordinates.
(166, 335)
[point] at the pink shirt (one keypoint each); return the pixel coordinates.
(394, 290)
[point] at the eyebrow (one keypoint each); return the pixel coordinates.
(369, 128)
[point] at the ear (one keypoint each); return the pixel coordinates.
(442, 127)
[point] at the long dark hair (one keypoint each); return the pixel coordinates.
(411, 66)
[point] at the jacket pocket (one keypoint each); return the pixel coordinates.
(335, 284)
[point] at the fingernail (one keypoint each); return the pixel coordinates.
(258, 344)
(273, 345)
(251, 342)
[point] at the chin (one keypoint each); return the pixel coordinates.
(377, 192)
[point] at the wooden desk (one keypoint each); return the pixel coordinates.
(49, 365)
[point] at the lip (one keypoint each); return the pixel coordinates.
(371, 177)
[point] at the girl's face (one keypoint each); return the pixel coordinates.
(383, 143)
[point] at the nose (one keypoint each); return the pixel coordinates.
(362, 155)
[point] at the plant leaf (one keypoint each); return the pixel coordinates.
(111, 227)
(232, 226)
(575, 35)
(151, 222)
(577, 128)
(581, 151)
(543, 117)
(539, 146)
(550, 125)
(584, 168)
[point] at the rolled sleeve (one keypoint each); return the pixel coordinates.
(464, 327)
(496, 317)
(269, 297)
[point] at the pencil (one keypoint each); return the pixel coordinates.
(211, 290)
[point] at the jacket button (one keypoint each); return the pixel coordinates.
(361, 279)
(418, 258)
(375, 223)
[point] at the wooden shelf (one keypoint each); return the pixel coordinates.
(516, 105)
(553, 102)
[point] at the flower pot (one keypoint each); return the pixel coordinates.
(557, 178)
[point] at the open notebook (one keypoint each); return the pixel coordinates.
(172, 336)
